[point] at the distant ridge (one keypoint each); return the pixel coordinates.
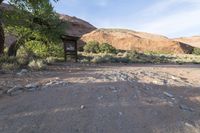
(139, 41)
(193, 41)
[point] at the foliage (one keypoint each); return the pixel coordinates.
(92, 47)
(196, 51)
(106, 48)
(136, 57)
(34, 14)
(35, 25)
(96, 47)
(50, 60)
(37, 65)
(43, 50)
(9, 66)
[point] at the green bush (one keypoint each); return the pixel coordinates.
(196, 51)
(92, 47)
(9, 66)
(7, 59)
(23, 61)
(107, 48)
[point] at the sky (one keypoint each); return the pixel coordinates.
(172, 18)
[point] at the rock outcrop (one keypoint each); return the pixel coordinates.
(76, 26)
(193, 41)
(139, 41)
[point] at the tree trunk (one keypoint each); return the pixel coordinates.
(12, 50)
(2, 39)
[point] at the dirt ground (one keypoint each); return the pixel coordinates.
(109, 98)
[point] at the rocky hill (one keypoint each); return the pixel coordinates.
(193, 41)
(140, 41)
(76, 26)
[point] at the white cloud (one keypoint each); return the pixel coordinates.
(173, 22)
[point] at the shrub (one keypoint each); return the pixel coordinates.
(24, 52)
(37, 49)
(85, 60)
(196, 51)
(105, 58)
(37, 65)
(9, 66)
(7, 59)
(132, 56)
(92, 47)
(107, 48)
(51, 60)
(22, 61)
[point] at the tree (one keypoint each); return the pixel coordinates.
(37, 13)
(2, 38)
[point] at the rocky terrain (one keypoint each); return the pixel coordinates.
(76, 26)
(101, 98)
(193, 41)
(140, 41)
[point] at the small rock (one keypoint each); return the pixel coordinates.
(101, 97)
(189, 125)
(155, 82)
(15, 90)
(120, 113)
(186, 108)
(171, 104)
(49, 83)
(56, 82)
(174, 78)
(82, 106)
(57, 78)
(147, 88)
(33, 85)
(168, 94)
(22, 72)
(165, 82)
(114, 89)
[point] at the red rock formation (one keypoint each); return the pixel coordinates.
(193, 41)
(139, 41)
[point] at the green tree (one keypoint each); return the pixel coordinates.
(30, 20)
(92, 47)
(107, 48)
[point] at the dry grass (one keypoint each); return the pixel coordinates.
(134, 57)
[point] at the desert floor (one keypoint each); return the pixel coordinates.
(107, 98)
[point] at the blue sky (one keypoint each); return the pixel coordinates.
(172, 18)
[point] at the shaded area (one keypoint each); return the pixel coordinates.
(129, 109)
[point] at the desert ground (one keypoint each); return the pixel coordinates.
(106, 98)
